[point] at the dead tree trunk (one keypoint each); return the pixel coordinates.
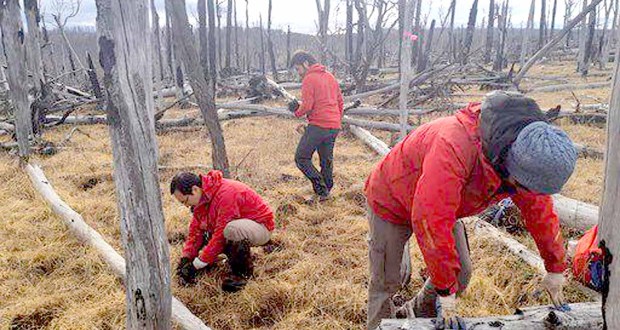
(228, 33)
(125, 57)
(526, 35)
(94, 81)
(543, 51)
(553, 14)
(201, 7)
(428, 44)
(609, 231)
(14, 50)
(262, 45)
(237, 59)
(451, 37)
(169, 48)
(212, 45)
(272, 54)
(405, 60)
(490, 32)
(34, 45)
(349, 36)
(587, 57)
(158, 49)
(248, 59)
(288, 47)
(543, 24)
(603, 56)
(188, 54)
(323, 11)
(469, 36)
(218, 13)
(417, 30)
(583, 36)
(498, 65)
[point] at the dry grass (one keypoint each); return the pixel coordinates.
(317, 281)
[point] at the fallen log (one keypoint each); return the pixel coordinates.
(581, 316)
(7, 127)
(91, 237)
(574, 213)
(373, 142)
(588, 152)
(565, 87)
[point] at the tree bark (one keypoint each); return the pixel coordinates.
(323, 11)
(247, 38)
(288, 47)
(125, 57)
(34, 45)
(587, 58)
(543, 24)
(488, 48)
(212, 45)
(349, 36)
(204, 95)
(526, 35)
(405, 67)
(469, 36)
(14, 49)
(262, 45)
(94, 81)
(272, 54)
(428, 44)
(237, 59)
(502, 23)
(201, 7)
(553, 15)
(609, 226)
(159, 79)
(218, 13)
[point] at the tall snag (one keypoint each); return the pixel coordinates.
(187, 53)
(125, 57)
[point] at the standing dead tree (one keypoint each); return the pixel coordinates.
(35, 63)
(65, 10)
(187, 53)
(15, 49)
(488, 46)
(248, 61)
(229, 11)
(469, 36)
(526, 34)
(405, 67)
(237, 59)
(124, 55)
(159, 74)
(553, 14)
(272, 53)
(609, 231)
(502, 25)
(211, 46)
(201, 7)
(543, 24)
(323, 11)
(262, 45)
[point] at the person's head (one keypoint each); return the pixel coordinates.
(302, 61)
(186, 187)
(528, 152)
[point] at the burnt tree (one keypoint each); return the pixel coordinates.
(272, 53)
(125, 57)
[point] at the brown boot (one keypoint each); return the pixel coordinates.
(241, 265)
(423, 305)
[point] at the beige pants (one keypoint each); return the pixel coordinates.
(254, 232)
(385, 247)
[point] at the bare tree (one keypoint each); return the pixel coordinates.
(526, 35)
(502, 24)
(262, 45)
(187, 53)
(490, 32)
(63, 11)
(349, 35)
(568, 13)
(229, 11)
(553, 14)
(212, 45)
(272, 54)
(247, 38)
(218, 12)
(288, 46)
(543, 24)
(124, 54)
(237, 59)
(34, 45)
(14, 50)
(323, 11)
(469, 37)
(201, 7)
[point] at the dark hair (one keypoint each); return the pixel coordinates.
(301, 56)
(183, 182)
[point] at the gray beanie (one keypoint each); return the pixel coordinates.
(542, 158)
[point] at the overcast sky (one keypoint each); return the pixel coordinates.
(301, 15)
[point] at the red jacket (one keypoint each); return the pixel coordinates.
(222, 201)
(321, 99)
(438, 174)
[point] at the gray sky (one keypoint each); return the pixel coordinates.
(301, 15)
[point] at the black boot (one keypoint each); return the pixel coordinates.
(241, 266)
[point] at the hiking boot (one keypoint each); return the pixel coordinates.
(316, 199)
(241, 265)
(423, 305)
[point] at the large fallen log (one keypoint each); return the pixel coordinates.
(574, 213)
(91, 237)
(588, 152)
(582, 316)
(567, 87)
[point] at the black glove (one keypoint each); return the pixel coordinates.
(293, 105)
(186, 272)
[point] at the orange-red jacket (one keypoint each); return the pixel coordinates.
(321, 99)
(438, 174)
(222, 201)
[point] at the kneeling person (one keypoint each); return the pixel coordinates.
(228, 217)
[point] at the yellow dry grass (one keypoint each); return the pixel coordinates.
(317, 281)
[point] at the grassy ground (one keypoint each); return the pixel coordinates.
(318, 280)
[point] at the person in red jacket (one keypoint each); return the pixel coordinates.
(228, 217)
(455, 167)
(322, 104)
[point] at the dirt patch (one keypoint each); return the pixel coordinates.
(38, 319)
(176, 238)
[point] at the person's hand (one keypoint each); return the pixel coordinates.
(199, 264)
(186, 272)
(553, 283)
(293, 105)
(446, 314)
(301, 128)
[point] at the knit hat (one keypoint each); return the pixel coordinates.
(542, 158)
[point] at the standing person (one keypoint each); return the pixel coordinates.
(322, 104)
(228, 217)
(452, 168)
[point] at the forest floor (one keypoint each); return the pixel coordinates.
(318, 280)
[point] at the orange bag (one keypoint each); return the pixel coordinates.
(588, 260)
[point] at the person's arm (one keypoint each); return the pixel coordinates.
(544, 225)
(434, 211)
(307, 98)
(226, 211)
(194, 239)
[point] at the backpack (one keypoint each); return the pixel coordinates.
(588, 261)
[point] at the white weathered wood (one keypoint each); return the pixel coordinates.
(405, 67)
(14, 49)
(87, 235)
(374, 143)
(583, 316)
(125, 57)
(574, 213)
(588, 152)
(567, 87)
(34, 47)
(609, 221)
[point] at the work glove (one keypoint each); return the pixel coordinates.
(553, 283)
(199, 264)
(293, 105)
(186, 272)
(446, 314)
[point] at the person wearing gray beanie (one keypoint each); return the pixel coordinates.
(455, 167)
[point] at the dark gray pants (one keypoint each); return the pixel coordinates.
(321, 140)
